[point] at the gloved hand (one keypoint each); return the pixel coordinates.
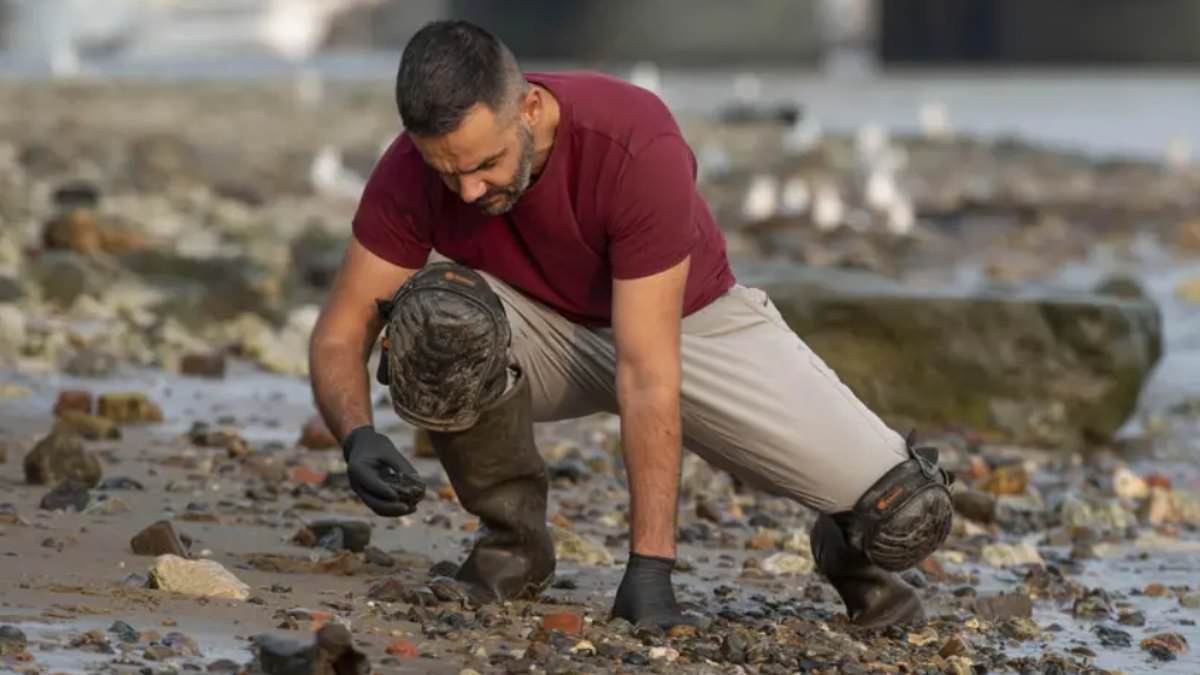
(645, 595)
(380, 475)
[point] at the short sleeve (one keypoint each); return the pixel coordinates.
(387, 227)
(652, 226)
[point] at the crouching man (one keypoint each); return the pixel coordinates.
(533, 247)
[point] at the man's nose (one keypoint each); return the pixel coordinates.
(472, 189)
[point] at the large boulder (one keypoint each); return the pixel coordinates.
(1033, 367)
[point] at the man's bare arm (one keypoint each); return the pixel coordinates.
(646, 323)
(344, 335)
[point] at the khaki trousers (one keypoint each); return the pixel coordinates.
(756, 401)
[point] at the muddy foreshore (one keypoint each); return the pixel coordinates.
(173, 242)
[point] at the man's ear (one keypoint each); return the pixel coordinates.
(531, 105)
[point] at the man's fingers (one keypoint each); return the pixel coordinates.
(391, 509)
(368, 484)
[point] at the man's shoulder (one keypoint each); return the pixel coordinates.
(610, 107)
(399, 172)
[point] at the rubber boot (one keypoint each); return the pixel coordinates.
(874, 597)
(499, 476)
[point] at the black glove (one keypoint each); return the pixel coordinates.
(645, 595)
(380, 475)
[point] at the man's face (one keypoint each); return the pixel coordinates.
(487, 160)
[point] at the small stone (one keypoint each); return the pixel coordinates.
(316, 436)
(73, 400)
(124, 631)
(158, 653)
(355, 535)
(953, 646)
(1006, 555)
(306, 475)
(91, 427)
(377, 557)
(210, 364)
(976, 505)
(69, 495)
(119, 483)
(12, 640)
(567, 622)
(1128, 485)
(203, 578)
(1009, 479)
(681, 631)
(1131, 618)
(1171, 507)
(1166, 646)
(128, 408)
(1020, 628)
(571, 547)
(783, 564)
(1155, 591)
(1094, 605)
(707, 509)
(762, 541)
(667, 654)
(403, 648)
(1190, 600)
(923, 637)
(107, 505)
(60, 456)
(224, 666)
(1113, 637)
(388, 590)
(158, 539)
(584, 648)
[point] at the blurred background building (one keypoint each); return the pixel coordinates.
(672, 32)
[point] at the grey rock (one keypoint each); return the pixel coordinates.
(12, 640)
(355, 535)
(66, 496)
(1036, 367)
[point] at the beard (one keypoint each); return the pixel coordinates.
(500, 201)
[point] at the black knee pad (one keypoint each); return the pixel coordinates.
(906, 515)
(446, 343)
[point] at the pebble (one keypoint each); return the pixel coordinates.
(209, 364)
(12, 640)
(69, 495)
(571, 547)
(128, 408)
(784, 564)
(202, 578)
(73, 400)
(124, 631)
(316, 436)
(1165, 646)
(1010, 555)
(157, 539)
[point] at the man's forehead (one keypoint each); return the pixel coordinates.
(476, 139)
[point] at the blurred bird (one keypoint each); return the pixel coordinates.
(762, 197)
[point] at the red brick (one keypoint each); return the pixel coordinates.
(567, 622)
(74, 400)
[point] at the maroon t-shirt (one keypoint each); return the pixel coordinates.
(617, 198)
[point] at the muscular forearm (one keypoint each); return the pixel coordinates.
(340, 387)
(651, 439)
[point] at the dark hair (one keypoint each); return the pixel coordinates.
(447, 67)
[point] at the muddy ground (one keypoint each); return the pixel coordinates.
(1060, 562)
